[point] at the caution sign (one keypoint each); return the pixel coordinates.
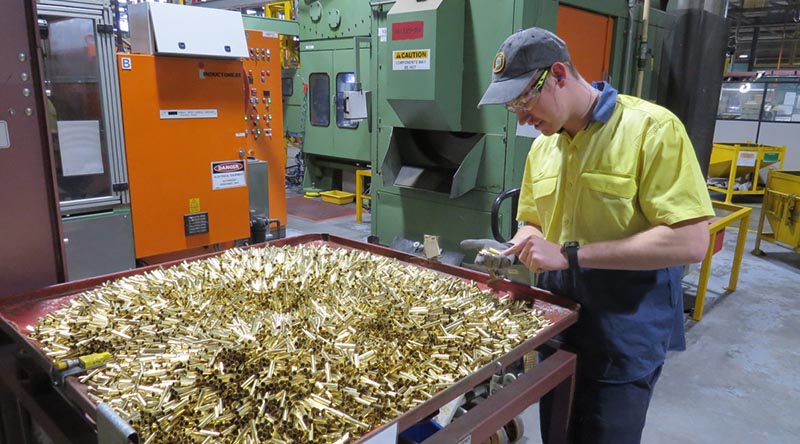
(411, 59)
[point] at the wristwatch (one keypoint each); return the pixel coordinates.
(570, 251)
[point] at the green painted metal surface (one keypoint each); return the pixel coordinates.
(331, 19)
(425, 50)
(318, 134)
(330, 32)
(336, 139)
(352, 143)
(266, 24)
(413, 215)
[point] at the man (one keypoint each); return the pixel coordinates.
(613, 204)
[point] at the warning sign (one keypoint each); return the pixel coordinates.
(411, 59)
(408, 30)
(228, 174)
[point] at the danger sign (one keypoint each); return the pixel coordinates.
(408, 30)
(411, 59)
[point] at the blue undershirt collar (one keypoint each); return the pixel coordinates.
(606, 103)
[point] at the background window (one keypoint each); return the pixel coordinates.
(319, 97)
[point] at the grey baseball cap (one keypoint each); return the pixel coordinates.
(518, 57)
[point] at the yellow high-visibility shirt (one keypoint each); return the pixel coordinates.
(616, 178)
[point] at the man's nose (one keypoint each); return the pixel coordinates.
(523, 116)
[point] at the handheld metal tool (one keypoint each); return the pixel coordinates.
(84, 362)
(66, 367)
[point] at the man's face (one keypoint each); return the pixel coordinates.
(535, 106)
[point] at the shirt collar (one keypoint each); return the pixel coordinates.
(606, 103)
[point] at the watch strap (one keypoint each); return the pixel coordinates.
(570, 251)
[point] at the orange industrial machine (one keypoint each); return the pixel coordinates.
(186, 145)
(203, 130)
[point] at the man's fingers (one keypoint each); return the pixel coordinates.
(514, 249)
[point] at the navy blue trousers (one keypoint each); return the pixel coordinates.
(604, 412)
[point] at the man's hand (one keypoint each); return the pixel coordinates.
(539, 254)
(491, 254)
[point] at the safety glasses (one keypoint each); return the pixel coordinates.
(528, 97)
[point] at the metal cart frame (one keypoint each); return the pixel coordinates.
(28, 391)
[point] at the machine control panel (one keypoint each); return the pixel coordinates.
(263, 113)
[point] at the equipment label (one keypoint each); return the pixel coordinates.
(127, 65)
(270, 34)
(382, 35)
(195, 223)
(746, 158)
(194, 205)
(188, 114)
(411, 59)
(408, 30)
(228, 174)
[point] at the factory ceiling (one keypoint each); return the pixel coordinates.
(765, 33)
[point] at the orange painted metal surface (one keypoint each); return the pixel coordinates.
(170, 160)
(265, 114)
(588, 38)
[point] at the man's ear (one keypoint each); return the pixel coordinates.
(559, 70)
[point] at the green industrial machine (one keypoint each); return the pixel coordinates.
(335, 55)
(437, 161)
(440, 161)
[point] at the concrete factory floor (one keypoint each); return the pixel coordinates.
(738, 381)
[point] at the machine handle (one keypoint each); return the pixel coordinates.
(514, 194)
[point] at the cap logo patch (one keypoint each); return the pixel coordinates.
(499, 62)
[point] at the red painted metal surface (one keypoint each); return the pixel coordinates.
(23, 310)
(30, 231)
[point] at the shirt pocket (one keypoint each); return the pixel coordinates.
(609, 184)
(544, 194)
(610, 199)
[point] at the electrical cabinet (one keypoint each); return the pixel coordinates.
(186, 146)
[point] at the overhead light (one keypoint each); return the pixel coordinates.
(743, 56)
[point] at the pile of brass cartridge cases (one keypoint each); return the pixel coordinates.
(306, 344)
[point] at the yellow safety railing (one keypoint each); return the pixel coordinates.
(740, 214)
(283, 10)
